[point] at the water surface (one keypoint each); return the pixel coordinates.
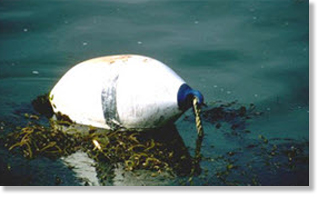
(249, 51)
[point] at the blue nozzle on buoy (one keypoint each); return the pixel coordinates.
(185, 96)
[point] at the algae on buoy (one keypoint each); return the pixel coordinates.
(123, 91)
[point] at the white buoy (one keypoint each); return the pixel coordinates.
(122, 91)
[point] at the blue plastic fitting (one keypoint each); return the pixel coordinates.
(185, 97)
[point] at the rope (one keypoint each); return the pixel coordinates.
(197, 157)
(197, 111)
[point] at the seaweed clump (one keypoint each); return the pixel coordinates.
(133, 149)
(231, 114)
(43, 106)
(36, 140)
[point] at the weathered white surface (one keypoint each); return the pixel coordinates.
(145, 92)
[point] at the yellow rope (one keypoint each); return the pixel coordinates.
(197, 111)
(197, 157)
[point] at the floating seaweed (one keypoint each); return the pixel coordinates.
(230, 113)
(135, 150)
(42, 105)
(35, 140)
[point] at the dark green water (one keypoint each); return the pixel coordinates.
(250, 51)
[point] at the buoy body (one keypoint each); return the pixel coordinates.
(122, 91)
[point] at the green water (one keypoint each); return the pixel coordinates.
(250, 51)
